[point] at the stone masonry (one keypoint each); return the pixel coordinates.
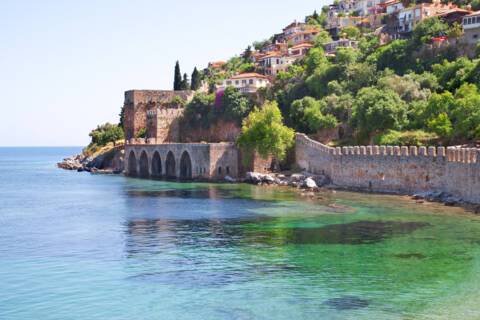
(407, 170)
(159, 107)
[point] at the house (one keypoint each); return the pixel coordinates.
(331, 47)
(452, 14)
(393, 6)
(216, 64)
(246, 82)
(274, 62)
(299, 51)
(471, 27)
(293, 28)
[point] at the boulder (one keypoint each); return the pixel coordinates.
(309, 183)
(229, 179)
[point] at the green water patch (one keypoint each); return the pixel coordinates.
(354, 233)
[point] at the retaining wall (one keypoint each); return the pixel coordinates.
(405, 170)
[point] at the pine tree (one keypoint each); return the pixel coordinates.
(177, 82)
(247, 54)
(195, 79)
(185, 84)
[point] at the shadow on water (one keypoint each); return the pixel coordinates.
(354, 233)
(347, 303)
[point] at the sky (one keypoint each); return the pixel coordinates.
(64, 65)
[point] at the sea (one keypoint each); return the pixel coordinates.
(85, 246)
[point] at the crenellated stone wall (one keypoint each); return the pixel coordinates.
(394, 169)
(141, 103)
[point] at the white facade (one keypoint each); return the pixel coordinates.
(246, 83)
(471, 26)
(394, 7)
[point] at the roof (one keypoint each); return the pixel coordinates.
(216, 64)
(249, 75)
(293, 24)
(302, 45)
(453, 10)
(270, 55)
(473, 14)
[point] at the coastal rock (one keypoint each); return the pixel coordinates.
(437, 196)
(309, 183)
(229, 179)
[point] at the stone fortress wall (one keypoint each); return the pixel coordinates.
(154, 111)
(160, 154)
(406, 170)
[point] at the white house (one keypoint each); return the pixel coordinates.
(274, 62)
(246, 82)
(471, 27)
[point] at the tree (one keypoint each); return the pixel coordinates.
(322, 38)
(235, 105)
(396, 56)
(197, 112)
(427, 29)
(121, 117)
(351, 32)
(466, 112)
(106, 133)
(375, 111)
(247, 54)
(177, 82)
(263, 131)
(196, 80)
(185, 84)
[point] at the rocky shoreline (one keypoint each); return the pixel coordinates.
(310, 185)
(108, 162)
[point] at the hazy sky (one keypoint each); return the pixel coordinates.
(64, 65)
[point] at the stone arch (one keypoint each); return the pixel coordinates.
(170, 172)
(132, 164)
(144, 172)
(156, 165)
(185, 166)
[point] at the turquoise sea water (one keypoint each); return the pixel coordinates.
(81, 246)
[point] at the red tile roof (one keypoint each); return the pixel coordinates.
(249, 75)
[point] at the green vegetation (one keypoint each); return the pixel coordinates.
(177, 79)
(263, 132)
(105, 134)
(406, 92)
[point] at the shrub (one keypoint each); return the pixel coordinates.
(406, 138)
(106, 133)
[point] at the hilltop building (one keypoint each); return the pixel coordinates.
(471, 26)
(246, 82)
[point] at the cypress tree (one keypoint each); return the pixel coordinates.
(195, 79)
(185, 83)
(177, 82)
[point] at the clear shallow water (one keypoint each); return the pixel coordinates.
(81, 246)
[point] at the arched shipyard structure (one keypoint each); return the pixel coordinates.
(183, 161)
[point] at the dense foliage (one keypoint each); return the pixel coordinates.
(105, 134)
(427, 91)
(263, 131)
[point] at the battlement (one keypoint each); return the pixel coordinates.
(133, 97)
(408, 170)
(450, 154)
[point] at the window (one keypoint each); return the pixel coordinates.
(278, 61)
(244, 81)
(228, 170)
(237, 82)
(229, 83)
(219, 170)
(250, 81)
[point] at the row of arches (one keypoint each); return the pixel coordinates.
(143, 168)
